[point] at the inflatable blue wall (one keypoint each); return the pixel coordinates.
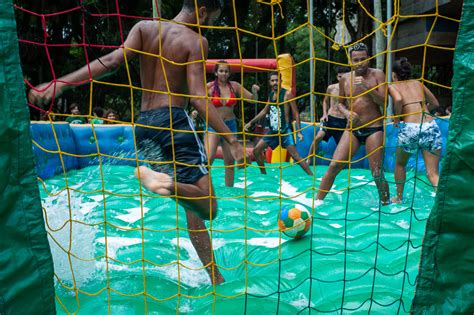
(79, 146)
(48, 141)
(60, 147)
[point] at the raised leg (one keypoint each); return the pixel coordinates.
(199, 197)
(314, 146)
(200, 204)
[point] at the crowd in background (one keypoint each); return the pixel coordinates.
(75, 115)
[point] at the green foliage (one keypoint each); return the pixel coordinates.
(92, 30)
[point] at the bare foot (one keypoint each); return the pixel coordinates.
(159, 183)
(396, 200)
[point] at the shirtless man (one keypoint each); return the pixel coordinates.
(332, 118)
(361, 102)
(281, 128)
(186, 51)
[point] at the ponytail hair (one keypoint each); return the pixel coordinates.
(402, 68)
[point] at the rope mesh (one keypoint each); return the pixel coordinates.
(107, 224)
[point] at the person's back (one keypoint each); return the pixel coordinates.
(419, 132)
(171, 63)
(165, 42)
(410, 97)
(413, 103)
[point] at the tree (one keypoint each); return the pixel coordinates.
(363, 25)
(103, 31)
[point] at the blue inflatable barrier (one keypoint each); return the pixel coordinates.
(60, 147)
(115, 141)
(57, 137)
(80, 146)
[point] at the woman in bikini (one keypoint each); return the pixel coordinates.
(419, 130)
(224, 96)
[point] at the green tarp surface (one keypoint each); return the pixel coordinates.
(446, 277)
(26, 266)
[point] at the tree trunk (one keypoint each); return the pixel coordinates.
(281, 28)
(350, 28)
(362, 27)
(264, 20)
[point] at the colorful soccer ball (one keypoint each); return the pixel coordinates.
(294, 222)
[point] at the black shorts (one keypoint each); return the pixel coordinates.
(363, 133)
(180, 146)
(334, 122)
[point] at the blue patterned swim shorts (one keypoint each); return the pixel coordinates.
(425, 136)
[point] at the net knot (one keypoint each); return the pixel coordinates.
(384, 29)
(336, 46)
(273, 2)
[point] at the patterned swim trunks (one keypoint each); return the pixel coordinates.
(178, 149)
(425, 136)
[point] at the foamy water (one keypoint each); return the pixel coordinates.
(146, 238)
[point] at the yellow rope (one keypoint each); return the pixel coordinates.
(70, 223)
(273, 2)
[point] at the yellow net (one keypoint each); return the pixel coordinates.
(119, 247)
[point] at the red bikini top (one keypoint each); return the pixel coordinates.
(218, 102)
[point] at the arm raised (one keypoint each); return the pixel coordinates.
(44, 93)
(341, 102)
(246, 95)
(258, 117)
(351, 116)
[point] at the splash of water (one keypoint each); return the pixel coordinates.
(69, 239)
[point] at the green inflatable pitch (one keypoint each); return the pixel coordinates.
(131, 252)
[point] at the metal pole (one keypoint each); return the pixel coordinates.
(328, 44)
(256, 75)
(389, 55)
(328, 55)
(311, 63)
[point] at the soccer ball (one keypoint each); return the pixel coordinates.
(294, 222)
